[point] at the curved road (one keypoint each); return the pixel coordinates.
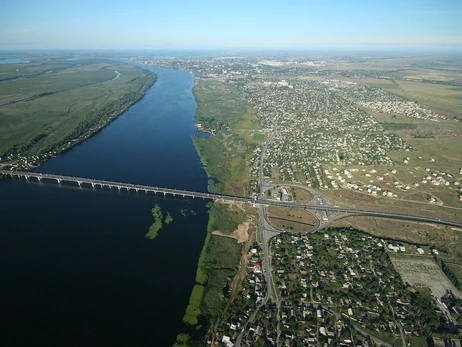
(210, 196)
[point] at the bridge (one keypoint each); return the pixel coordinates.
(120, 186)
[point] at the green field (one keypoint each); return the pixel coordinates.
(51, 123)
(383, 85)
(75, 77)
(441, 98)
(297, 221)
(225, 154)
(218, 264)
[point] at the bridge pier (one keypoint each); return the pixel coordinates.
(92, 185)
(27, 177)
(79, 183)
(39, 178)
(59, 180)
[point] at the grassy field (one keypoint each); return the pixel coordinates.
(78, 76)
(301, 195)
(50, 122)
(444, 99)
(297, 221)
(225, 154)
(383, 85)
(218, 264)
(40, 64)
(427, 75)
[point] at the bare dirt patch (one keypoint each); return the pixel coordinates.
(275, 173)
(423, 272)
(241, 234)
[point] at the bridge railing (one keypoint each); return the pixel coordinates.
(212, 196)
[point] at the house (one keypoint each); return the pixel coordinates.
(227, 341)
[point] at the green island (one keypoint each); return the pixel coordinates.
(52, 103)
(157, 225)
(184, 212)
(168, 218)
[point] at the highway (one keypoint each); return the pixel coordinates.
(267, 230)
(209, 196)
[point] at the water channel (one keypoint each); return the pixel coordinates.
(76, 266)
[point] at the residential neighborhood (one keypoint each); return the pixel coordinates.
(334, 288)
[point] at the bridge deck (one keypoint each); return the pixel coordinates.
(211, 196)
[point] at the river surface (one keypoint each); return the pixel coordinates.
(76, 267)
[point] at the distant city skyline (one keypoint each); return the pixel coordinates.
(205, 24)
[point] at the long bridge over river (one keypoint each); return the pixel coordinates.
(120, 186)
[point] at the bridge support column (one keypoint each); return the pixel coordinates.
(59, 180)
(27, 177)
(39, 178)
(79, 183)
(92, 185)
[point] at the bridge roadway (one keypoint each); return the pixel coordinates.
(210, 196)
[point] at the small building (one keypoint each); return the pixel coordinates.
(227, 341)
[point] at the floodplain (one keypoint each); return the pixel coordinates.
(55, 101)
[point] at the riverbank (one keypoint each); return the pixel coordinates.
(39, 129)
(225, 155)
(131, 290)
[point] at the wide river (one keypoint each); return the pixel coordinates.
(76, 267)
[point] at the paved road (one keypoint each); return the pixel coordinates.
(185, 193)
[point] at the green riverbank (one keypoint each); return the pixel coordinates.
(66, 107)
(225, 156)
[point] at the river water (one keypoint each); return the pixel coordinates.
(76, 267)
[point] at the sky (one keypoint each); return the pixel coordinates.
(218, 24)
